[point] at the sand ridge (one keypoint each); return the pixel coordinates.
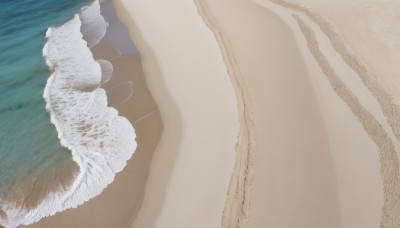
(388, 156)
(366, 74)
(237, 206)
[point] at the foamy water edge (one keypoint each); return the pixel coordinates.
(100, 141)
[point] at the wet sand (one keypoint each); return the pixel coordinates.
(112, 208)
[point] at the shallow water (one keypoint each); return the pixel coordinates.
(36, 170)
(29, 147)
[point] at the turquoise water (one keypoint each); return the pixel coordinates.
(29, 146)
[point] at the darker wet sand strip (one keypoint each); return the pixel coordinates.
(168, 146)
(105, 52)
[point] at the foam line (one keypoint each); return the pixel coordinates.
(100, 141)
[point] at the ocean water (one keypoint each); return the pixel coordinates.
(51, 107)
(28, 141)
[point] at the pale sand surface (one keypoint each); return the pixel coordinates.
(295, 183)
(312, 170)
(351, 28)
(119, 203)
(324, 128)
(359, 208)
(237, 204)
(319, 145)
(374, 24)
(192, 70)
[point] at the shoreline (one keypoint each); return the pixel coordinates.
(94, 139)
(131, 180)
(144, 115)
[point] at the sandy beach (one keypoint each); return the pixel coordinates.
(319, 145)
(252, 113)
(199, 85)
(142, 111)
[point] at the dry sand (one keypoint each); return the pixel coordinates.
(323, 138)
(295, 183)
(326, 132)
(192, 192)
(272, 112)
(350, 77)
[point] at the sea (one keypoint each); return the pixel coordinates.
(52, 109)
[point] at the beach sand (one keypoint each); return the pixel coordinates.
(320, 136)
(272, 116)
(195, 77)
(293, 167)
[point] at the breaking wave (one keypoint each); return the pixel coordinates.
(100, 141)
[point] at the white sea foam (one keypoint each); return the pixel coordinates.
(93, 25)
(100, 141)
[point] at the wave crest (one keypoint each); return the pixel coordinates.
(100, 141)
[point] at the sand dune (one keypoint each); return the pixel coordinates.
(350, 77)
